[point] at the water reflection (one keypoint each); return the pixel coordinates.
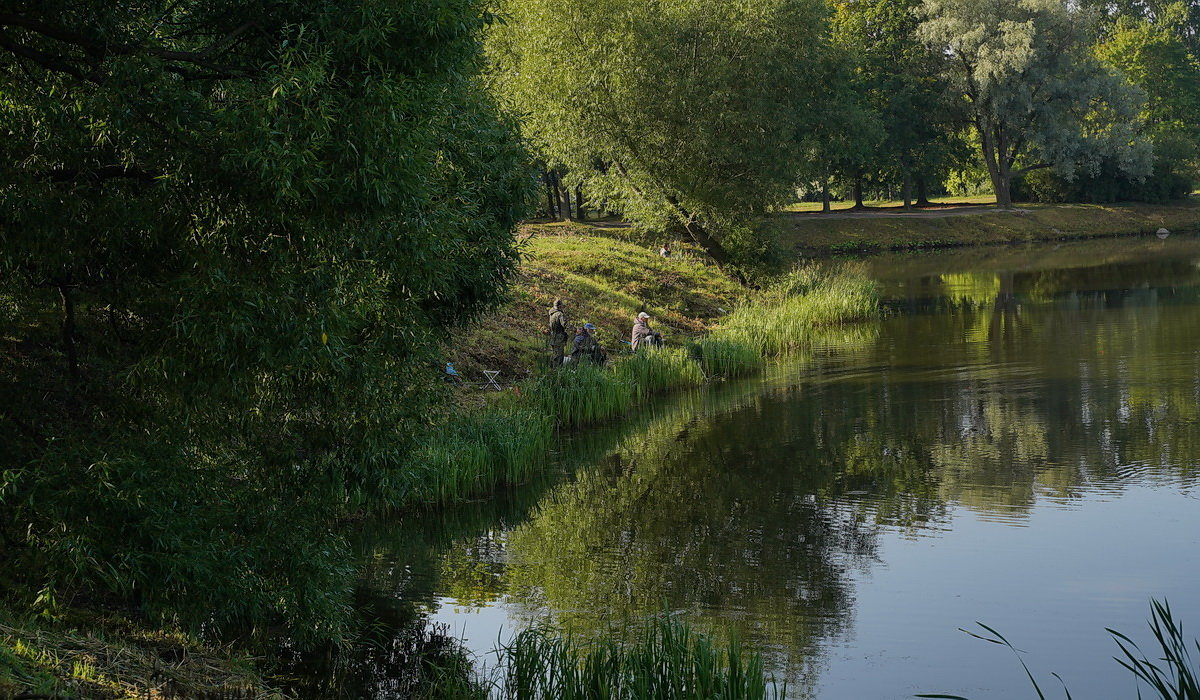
(1043, 381)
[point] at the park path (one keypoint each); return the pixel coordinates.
(898, 213)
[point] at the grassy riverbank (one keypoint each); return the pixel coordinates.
(816, 234)
(496, 438)
(92, 654)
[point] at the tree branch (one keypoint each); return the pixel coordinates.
(41, 58)
(1039, 166)
(99, 50)
(104, 172)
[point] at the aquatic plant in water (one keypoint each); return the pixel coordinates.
(1174, 675)
(670, 660)
(654, 370)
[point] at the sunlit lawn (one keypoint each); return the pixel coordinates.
(884, 203)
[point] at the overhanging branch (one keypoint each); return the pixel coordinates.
(97, 50)
(105, 172)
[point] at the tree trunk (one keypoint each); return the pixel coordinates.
(694, 228)
(551, 209)
(68, 334)
(562, 198)
(825, 195)
(907, 190)
(922, 192)
(998, 171)
(858, 193)
(579, 203)
(700, 235)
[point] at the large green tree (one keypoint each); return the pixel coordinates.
(1153, 54)
(230, 235)
(693, 107)
(1033, 90)
(900, 78)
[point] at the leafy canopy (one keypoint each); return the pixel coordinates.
(684, 110)
(231, 234)
(1032, 88)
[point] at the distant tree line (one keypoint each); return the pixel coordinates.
(699, 116)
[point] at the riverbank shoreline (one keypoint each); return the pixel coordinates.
(608, 270)
(813, 234)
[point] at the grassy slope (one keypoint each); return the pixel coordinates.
(1031, 222)
(107, 656)
(605, 276)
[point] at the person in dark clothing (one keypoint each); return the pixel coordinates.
(558, 333)
(585, 346)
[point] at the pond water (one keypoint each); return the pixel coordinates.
(1017, 443)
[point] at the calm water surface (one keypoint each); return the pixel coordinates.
(1017, 443)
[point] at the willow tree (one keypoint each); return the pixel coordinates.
(230, 235)
(692, 108)
(1033, 90)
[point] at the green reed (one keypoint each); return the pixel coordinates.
(654, 370)
(1171, 675)
(786, 313)
(476, 450)
(670, 660)
(581, 393)
(725, 357)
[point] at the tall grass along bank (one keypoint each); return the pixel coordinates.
(784, 315)
(478, 449)
(670, 661)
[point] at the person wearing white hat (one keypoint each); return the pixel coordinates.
(642, 334)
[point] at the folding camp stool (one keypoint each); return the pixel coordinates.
(491, 375)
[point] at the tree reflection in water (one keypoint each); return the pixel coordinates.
(757, 506)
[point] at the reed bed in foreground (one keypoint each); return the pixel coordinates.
(669, 661)
(654, 370)
(581, 393)
(1171, 675)
(725, 357)
(477, 450)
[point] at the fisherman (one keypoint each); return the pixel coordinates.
(665, 250)
(586, 347)
(558, 333)
(642, 333)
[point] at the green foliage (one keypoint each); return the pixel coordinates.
(669, 661)
(230, 236)
(652, 370)
(1108, 185)
(1153, 53)
(898, 78)
(1032, 89)
(679, 111)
